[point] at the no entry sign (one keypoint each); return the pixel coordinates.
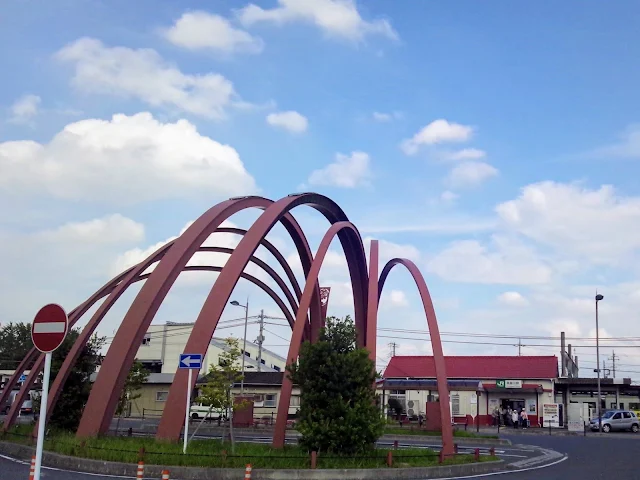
(49, 328)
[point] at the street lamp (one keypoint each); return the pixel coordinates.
(598, 298)
(235, 303)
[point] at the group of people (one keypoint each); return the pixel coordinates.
(510, 417)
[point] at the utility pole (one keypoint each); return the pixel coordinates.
(613, 359)
(604, 368)
(393, 346)
(519, 348)
(260, 340)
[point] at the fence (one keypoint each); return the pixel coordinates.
(114, 449)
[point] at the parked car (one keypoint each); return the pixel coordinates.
(616, 420)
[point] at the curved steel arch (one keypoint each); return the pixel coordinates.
(105, 392)
(296, 336)
(73, 316)
(207, 320)
(87, 332)
(131, 275)
(436, 345)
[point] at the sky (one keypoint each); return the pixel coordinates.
(495, 144)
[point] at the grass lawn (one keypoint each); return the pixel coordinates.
(419, 431)
(213, 453)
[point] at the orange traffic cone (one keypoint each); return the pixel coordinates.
(140, 472)
(165, 474)
(32, 470)
(247, 472)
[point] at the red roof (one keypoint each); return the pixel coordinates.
(473, 367)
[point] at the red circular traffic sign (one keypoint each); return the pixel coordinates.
(49, 328)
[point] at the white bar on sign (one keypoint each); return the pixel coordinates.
(49, 327)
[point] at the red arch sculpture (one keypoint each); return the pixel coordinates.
(436, 344)
(133, 275)
(303, 311)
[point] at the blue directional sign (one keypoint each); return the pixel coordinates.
(23, 378)
(190, 361)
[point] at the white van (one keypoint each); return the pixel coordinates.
(198, 411)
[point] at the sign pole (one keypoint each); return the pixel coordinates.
(186, 417)
(43, 415)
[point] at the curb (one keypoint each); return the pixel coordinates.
(23, 452)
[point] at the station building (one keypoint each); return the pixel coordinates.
(478, 385)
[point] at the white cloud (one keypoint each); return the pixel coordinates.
(470, 174)
(110, 229)
(348, 171)
(628, 145)
(128, 159)
(386, 117)
(465, 154)
(438, 131)
(144, 75)
(398, 298)
(600, 225)
(291, 120)
(448, 196)
(336, 18)
(64, 263)
(25, 109)
(512, 299)
(201, 30)
(507, 262)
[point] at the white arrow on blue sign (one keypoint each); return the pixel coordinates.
(190, 360)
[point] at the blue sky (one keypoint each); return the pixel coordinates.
(495, 144)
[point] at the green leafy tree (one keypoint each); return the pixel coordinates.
(130, 392)
(15, 342)
(68, 410)
(338, 411)
(216, 393)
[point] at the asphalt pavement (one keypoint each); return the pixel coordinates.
(587, 458)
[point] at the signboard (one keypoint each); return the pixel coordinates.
(190, 360)
(551, 414)
(23, 378)
(508, 383)
(49, 328)
(473, 400)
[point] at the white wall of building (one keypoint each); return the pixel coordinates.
(165, 343)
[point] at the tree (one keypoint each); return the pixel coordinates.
(15, 343)
(134, 381)
(216, 393)
(338, 411)
(75, 393)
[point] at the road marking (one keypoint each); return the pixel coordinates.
(529, 469)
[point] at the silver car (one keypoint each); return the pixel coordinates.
(616, 420)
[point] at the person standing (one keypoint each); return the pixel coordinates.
(514, 418)
(524, 417)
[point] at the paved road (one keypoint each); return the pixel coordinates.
(590, 458)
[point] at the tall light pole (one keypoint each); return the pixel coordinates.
(244, 346)
(598, 298)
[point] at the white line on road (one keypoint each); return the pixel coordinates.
(529, 469)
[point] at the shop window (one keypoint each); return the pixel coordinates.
(270, 400)
(295, 401)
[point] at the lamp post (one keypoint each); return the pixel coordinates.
(244, 345)
(598, 298)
